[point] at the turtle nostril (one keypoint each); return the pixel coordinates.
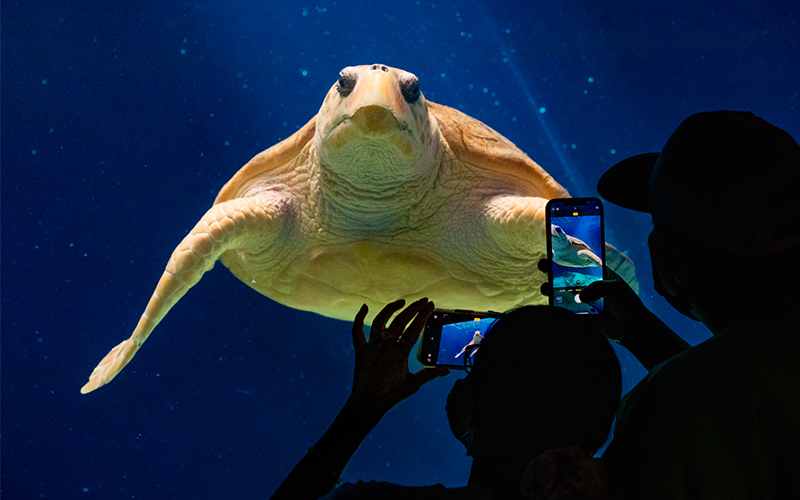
(379, 67)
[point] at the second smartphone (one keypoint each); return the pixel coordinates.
(452, 337)
(576, 250)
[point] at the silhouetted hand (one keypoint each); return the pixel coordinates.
(565, 473)
(623, 312)
(381, 379)
(626, 320)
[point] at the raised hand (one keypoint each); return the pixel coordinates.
(381, 378)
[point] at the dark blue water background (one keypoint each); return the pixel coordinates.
(122, 120)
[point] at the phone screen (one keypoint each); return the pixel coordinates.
(452, 338)
(576, 250)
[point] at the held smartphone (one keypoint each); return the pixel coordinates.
(451, 337)
(576, 249)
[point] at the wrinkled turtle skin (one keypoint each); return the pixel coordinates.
(382, 195)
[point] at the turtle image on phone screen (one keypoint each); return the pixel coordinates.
(576, 251)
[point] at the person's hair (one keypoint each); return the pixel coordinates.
(545, 378)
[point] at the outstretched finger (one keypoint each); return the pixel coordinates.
(382, 317)
(411, 333)
(404, 318)
(359, 339)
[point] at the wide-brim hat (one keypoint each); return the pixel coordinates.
(726, 179)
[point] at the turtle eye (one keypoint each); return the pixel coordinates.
(409, 87)
(347, 81)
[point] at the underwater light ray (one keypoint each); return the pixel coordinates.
(575, 182)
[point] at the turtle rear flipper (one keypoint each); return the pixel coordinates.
(225, 226)
(111, 365)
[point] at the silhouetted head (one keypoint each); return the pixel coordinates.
(543, 378)
(724, 194)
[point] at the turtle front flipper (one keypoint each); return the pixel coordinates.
(225, 226)
(517, 225)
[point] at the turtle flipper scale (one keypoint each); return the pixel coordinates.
(223, 227)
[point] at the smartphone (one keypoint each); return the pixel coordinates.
(452, 337)
(576, 249)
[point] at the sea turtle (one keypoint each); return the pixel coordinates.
(570, 251)
(382, 195)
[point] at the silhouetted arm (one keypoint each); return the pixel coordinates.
(320, 470)
(627, 321)
(381, 380)
(654, 342)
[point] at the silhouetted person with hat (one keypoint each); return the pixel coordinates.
(722, 419)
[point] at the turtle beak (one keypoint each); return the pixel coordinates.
(376, 105)
(375, 121)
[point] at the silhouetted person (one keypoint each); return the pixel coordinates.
(722, 419)
(542, 379)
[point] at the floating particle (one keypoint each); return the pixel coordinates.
(542, 110)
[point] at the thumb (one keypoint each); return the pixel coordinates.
(595, 291)
(425, 375)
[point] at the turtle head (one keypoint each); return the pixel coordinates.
(374, 129)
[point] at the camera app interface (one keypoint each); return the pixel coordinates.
(576, 237)
(461, 340)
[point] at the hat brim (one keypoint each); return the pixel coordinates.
(626, 183)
